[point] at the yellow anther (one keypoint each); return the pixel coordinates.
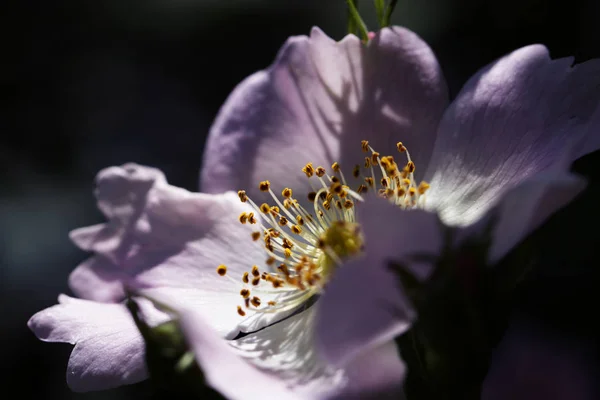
(410, 166)
(256, 280)
(251, 218)
(264, 207)
(389, 192)
(308, 170)
(400, 192)
(287, 243)
(270, 261)
(361, 189)
(241, 312)
(287, 193)
(375, 158)
(335, 187)
(406, 182)
(277, 283)
(242, 195)
(320, 171)
(255, 301)
(283, 269)
(255, 236)
(386, 161)
(412, 191)
(400, 147)
(288, 203)
(327, 204)
(348, 204)
(283, 221)
(423, 186)
(221, 270)
(356, 171)
(385, 182)
(335, 167)
(271, 303)
(338, 204)
(245, 293)
(299, 220)
(255, 270)
(296, 229)
(287, 253)
(369, 180)
(243, 218)
(264, 186)
(364, 144)
(367, 162)
(245, 277)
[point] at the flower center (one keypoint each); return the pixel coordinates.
(303, 246)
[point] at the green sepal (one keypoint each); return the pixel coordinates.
(356, 25)
(380, 10)
(387, 15)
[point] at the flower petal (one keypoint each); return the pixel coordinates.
(98, 279)
(363, 306)
(288, 351)
(223, 369)
(317, 102)
(511, 120)
(527, 206)
(531, 363)
(160, 237)
(109, 351)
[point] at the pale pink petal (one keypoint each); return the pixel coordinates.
(160, 237)
(512, 119)
(287, 350)
(363, 306)
(316, 103)
(108, 352)
(224, 370)
(527, 206)
(98, 279)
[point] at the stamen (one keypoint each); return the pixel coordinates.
(309, 246)
(222, 270)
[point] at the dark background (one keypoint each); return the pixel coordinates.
(90, 84)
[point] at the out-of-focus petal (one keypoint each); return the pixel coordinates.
(511, 120)
(109, 350)
(531, 363)
(363, 306)
(316, 103)
(160, 237)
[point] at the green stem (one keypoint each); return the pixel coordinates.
(380, 10)
(388, 13)
(354, 15)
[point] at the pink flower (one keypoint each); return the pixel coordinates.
(502, 147)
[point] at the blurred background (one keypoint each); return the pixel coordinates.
(91, 84)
